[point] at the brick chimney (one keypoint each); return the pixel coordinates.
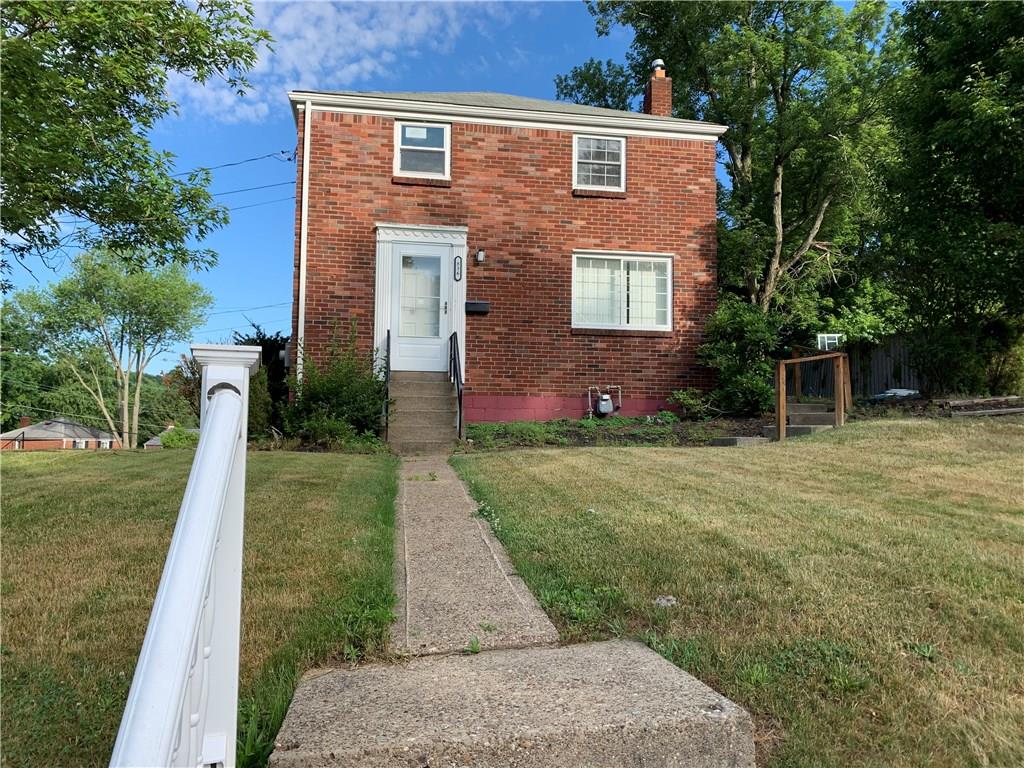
(658, 96)
(25, 421)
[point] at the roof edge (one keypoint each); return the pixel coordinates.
(412, 108)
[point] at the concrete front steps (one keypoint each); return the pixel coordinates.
(805, 419)
(601, 705)
(423, 412)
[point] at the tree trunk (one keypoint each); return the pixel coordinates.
(771, 271)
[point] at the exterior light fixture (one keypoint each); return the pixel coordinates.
(481, 254)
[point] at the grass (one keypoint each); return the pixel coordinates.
(84, 541)
(859, 591)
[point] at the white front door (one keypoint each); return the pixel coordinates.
(420, 312)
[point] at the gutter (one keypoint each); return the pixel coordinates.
(303, 238)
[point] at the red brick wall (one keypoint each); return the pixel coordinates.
(31, 445)
(513, 188)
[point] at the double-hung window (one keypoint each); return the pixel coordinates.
(599, 163)
(626, 291)
(423, 150)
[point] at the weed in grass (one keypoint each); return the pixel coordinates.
(925, 651)
(756, 675)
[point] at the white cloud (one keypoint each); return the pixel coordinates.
(335, 46)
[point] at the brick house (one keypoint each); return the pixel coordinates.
(565, 246)
(55, 434)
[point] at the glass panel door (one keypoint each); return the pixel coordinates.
(420, 297)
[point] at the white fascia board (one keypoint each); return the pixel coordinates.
(407, 109)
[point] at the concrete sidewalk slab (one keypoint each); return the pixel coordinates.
(453, 579)
(599, 705)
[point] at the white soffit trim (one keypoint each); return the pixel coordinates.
(407, 109)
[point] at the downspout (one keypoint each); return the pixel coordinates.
(303, 233)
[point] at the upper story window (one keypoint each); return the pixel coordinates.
(423, 150)
(599, 162)
(625, 291)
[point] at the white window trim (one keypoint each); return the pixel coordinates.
(397, 160)
(624, 256)
(825, 338)
(575, 163)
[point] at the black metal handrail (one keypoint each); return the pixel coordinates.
(387, 381)
(455, 374)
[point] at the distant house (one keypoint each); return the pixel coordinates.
(154, 443)
(56, 434)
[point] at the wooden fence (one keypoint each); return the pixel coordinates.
(873, 369)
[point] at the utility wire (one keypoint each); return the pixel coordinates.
(283, 154)
(250, 189)
(247, 309)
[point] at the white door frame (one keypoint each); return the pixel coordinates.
(390, 234)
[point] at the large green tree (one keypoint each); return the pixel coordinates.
(107, 321)
(800, 86)
(956, 190)
(83, 84)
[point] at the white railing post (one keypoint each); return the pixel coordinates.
(182, 709)
(226, 366)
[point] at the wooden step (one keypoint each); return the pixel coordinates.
(810, 408)
(813, 418)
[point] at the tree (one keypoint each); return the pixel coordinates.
(107, 318)
(956, 188)
(83, 84)
(273, 347)
(800, 86)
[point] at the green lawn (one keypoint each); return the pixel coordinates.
(84, 541)
(861, 592)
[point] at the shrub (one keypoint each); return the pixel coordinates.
(975, 358)
(177, 437)
(742, 344)
(338, 404)
(692, 403)
(260, 405)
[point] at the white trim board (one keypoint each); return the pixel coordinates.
(410, 109)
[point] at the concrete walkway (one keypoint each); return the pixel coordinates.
(453, 579)
(522, 703)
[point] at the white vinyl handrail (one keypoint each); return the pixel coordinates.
(182, 707)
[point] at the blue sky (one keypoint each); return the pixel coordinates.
(509, 47)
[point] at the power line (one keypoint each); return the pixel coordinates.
(98, 419)
(282, 154)
(247, 309)
(265, 202)
(250, 189)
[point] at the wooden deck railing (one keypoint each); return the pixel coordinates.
(842, 389)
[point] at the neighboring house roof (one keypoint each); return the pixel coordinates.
(56, 429)
(487, 104)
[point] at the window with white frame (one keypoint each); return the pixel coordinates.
(76, 443)
(828, 342)
(599, 162)
(105, 444)
(423, 150)
(622, 290)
